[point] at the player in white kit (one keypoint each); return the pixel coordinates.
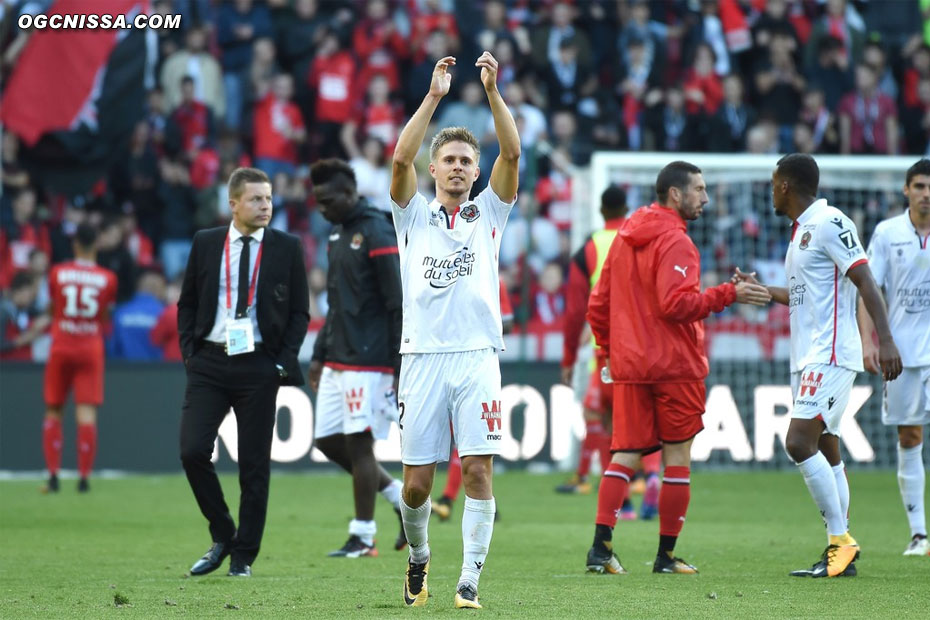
(899, 254)
(451, 323)
(825, 265)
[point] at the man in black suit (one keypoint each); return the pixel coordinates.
(240, 331)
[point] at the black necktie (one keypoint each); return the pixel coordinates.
(242, 301)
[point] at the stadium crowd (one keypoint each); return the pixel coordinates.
(281, 83)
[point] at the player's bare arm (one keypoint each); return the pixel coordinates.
(506, 170)
(403, 174)
(778, 294)
(870, 357)
(888, 357)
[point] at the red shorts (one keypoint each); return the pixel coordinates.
(599, 395)
(646, 415)
(80, 368)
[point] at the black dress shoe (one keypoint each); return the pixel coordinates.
(238, 568)
(212, 559)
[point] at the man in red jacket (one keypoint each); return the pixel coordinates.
(646, 310)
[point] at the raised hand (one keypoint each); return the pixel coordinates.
(740, 276)
(488, 66)
(442, 79)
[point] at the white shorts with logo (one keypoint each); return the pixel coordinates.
(906, 400)
(353, 401)
(822, 391)
(463, 388)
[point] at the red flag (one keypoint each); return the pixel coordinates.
(55, 78)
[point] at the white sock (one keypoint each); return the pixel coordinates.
(392, 492)
(365, 530)
(820, 481)
(416, 522)
(477, 527)
(842, 487)
(911, 480)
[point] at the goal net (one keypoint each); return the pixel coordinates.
(749, 396)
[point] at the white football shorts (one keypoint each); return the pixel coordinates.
(822, 391)
(462, 388)
(354, 401)
(906, 400)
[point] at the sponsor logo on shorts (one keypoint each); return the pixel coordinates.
(807, 403)
(354, 399)
(492, 415)
(830, 402)
(810, 382)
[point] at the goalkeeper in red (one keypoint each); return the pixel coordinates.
(647, 310)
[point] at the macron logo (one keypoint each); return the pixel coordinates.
(683, 270)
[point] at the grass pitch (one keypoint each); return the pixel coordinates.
(123, 551)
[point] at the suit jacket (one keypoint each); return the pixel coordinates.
(282, 294)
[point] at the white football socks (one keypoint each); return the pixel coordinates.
(365, 530)
(392, 492)
(477, 528)
(911, 480)
(818, 475)
(416, 523)
(842, 488)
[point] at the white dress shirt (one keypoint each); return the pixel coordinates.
(218, 333)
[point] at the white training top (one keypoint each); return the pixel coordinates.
(821, 299)
(900, 261)
(448, 266)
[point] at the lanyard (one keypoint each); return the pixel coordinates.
(258, 260)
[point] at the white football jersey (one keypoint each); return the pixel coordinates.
(448, 266)
(900, 261)
(821, 299)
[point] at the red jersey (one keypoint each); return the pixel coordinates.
(82, 294)
(271, 117)
(332, 78)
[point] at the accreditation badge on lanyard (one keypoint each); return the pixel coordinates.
(240, 337)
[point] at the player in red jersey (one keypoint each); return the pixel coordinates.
(81, 294)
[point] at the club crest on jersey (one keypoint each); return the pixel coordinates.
(805, 240)
(357, 240)
(470, 213)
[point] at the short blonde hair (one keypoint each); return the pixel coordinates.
(241, 176)
(453, 134)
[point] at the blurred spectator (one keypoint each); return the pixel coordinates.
(832, 71)
(376, 115)
(14, 176)
(39, 263)
(177, 222)
(302, 34)
(569, 81)
(710, 32)
(703, 88)
(156, 115)
(239, 24)
(134, 320)
(20, 324)
(494, 28)
(262, 70)
(774, 17)
(204, 70)
(531, 121)
(666, 127)
(549, 299)
(331, 80)
(471, 111)
(868, 118)
(548, 41)
(24, 234)
(733, 119)
(779, 85)
(762, 138)
(113, 255)
(373, 178)
(655, 35)
(510, 65)
(279, 129)
(918, 69)
(840, 20)
(529, 240)
(824, 133)
(874, 55)
(377, 31)
(62, 235)
(191, 123)
(134, 181)
(915, 121)
(164, 334)
(421, 73)
(319, 306)
(430, 17)
(638, 80)
(138, 244)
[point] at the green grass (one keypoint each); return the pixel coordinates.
(133, 539)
